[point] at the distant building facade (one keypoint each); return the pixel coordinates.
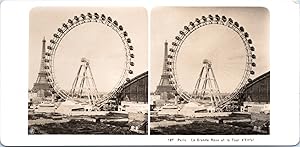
(256, 96)
(135, 90)
(258, 90)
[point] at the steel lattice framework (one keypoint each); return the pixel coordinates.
(69, 25)
(205, 21)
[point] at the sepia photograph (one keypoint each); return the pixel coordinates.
(88, 70)
(210, 71)
(149, 73)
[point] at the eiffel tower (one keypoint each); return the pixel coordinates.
(84, 86)
(208, 83)
(164, 85)
(41, 86)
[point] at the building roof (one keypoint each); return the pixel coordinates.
(138, 77)
(258, 79)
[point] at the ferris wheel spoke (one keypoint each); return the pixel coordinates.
(72, 23)
(214, 20)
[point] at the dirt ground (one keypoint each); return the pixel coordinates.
(44, 124)
(168, 125)
(81, 127)
(203, 128)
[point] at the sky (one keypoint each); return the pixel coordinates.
(104, 49)
(98, 43)
(216, 43)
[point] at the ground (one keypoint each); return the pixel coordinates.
(81, 127)
(45, 123)
(180, 125)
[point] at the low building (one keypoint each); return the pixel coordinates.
(134, 107)
(138, 122)
(69, 106)
(254, 107)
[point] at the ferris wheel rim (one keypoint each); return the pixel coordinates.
(205, 21)
(78, 21)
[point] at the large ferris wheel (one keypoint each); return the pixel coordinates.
(206, 21)
(77, 21)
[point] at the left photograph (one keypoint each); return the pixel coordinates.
(88, 70)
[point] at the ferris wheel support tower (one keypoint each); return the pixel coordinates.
(84, 84)
(208, 83)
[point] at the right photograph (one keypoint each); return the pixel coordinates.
(210, 71)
